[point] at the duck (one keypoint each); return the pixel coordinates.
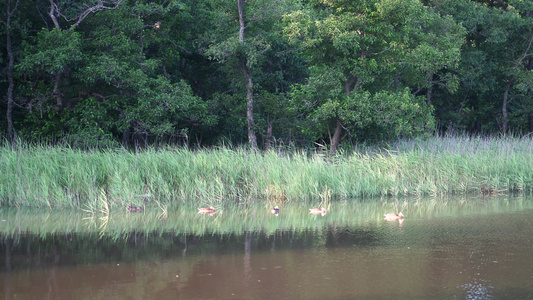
(133, 208)
(394, 217)
(317, 211)
(206, 210)
(275, 211)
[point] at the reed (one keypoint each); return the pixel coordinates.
(46, 176)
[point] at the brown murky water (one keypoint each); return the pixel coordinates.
(473, 255)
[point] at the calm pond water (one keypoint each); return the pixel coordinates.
(477, 248)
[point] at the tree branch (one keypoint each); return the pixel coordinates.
(52, 14)
(526, 52)
(7, 21)
(113, 4)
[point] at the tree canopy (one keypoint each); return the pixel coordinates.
(263, 73)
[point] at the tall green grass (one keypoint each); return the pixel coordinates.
(46, 176)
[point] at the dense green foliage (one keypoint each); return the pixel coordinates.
(334, 72)
(45, 176)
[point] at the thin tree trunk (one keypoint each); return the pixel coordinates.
(126, 136)
(268, 142)
(11, 135)
(529, 68)
(57, 78)
(252, 139)
(505, 114)
(336, 139)
(57, 92)
(52, 14)
(240, 6)
(11, 86)
(429, 92)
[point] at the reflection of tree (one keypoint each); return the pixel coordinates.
(247, 260)
(31, 251)
(247, 256)
(8, 244)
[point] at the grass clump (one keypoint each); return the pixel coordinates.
(46, 176)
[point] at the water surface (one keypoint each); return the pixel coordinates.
(477, 248)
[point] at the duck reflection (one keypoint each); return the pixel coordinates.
(206, 210)
(318, 211)
(133, 208)
(395, 217)
(275, 211)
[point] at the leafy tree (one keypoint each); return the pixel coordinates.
(7, 21)
(58, 48)
(497, 52)
(142, 72)
(244, 46)
(110, 71)
(516, 63)
(52, 55)
(127, 72)
(368, 47)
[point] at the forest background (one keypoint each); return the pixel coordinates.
(279, 72)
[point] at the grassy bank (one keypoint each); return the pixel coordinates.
(43, 176)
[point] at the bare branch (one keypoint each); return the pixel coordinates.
(526, 52)
(10, 13)
(98, 7)
(52, 13)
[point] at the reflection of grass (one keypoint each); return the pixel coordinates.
(98, 205)
(42, 176)
(98, 209)
(164, 210)
(255, 217)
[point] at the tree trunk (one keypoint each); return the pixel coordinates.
(57, 78)
(268, 141)
(252, 139)
(429, 91)
(348, 89)
(57, 92)
(126, 136)
(505, 115)
(11, 86)
(336, 139)
(529, 68)
(240, 6)
(52, 14)
(11, 135)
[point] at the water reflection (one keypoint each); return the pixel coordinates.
(275, 211)
(478, 290)
(318, 211)
(207, 211)
(253, 217)
(465, 250)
